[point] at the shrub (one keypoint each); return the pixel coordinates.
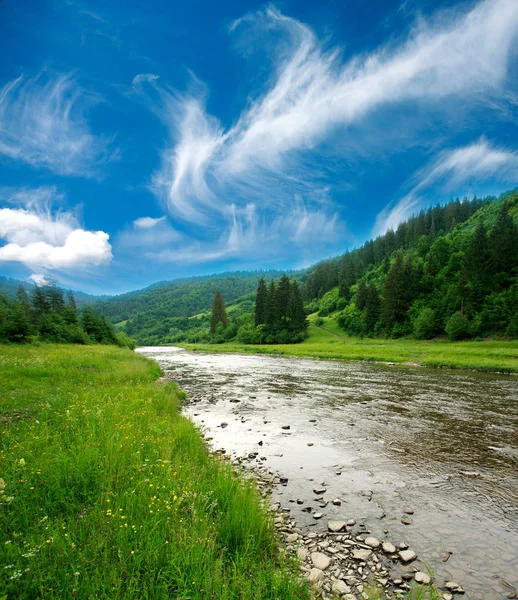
(457, 327)
(424, 325)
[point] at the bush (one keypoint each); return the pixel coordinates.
(424, 325)
(457, 327)
(512, 329)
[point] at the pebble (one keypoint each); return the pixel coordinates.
(340, 588)
(452, 585)
(292, 537)
(285, 427)
(302, 554)
(317, 515)
(224, 425)
(321, 561)
(408, 556)
(421, 577)
(310, 443)
(406, 520)
(388, 547)
(408, 511)
(337, 502)
(336, 526)
(372, 542)
(315, 575)
(319, 490)
(361, 555)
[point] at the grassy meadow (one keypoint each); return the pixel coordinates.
(106, 491)
(329, 341)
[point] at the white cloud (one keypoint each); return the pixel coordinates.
(39, 279)
(43, 123)
(313, 92)
(147, 222)
(210, 174)
(475, 163)
(37, 237)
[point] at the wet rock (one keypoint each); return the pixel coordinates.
(340, 588)
(223, 425)
(447, 596)
(312, 420)
(421, 577)
(372, 542)
(320, 561)
(299, 501)
(406, 520)
(285, 427)
(451, 585)
(235, 400)
(317, 516)
(310, 443)
(403, 546)
(388, 547)
(351, 523)
(407, 555)
(319, 490)
(361, 555)
(283, 480)
(337, 502)
(315, 576)
(336, 526)
(408, 511)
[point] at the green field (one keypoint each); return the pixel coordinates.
(329, 341)
(106, 492)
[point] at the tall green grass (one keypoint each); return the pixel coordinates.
(329, 341)
(107, 492)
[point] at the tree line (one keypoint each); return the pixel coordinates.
(456, 276)
(48, 315)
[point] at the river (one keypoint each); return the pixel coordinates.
(383, 439)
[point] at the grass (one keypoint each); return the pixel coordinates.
(107, 492)
(329, 341)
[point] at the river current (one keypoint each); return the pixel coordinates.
(384, 440)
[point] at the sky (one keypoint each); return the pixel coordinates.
(145, 141)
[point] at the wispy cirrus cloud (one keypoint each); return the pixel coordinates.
(37, 237)
(452, 169)
(266, 157)
(43, 122)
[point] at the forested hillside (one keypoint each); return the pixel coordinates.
(449, 270)
(164, 312)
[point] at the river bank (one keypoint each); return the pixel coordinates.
(108, 492)
(328, 342)
(380, 440)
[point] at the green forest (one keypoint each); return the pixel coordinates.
(450, 271)
(46, 315)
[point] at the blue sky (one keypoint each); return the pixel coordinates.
(143, 141)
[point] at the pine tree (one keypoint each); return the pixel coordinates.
(261, 303)
(282, 299)
(271, 313)
(219, 314)
(372, 307)
(394, 294)
(295, 309)
(361, 295)
(504, 242)
(22, 297)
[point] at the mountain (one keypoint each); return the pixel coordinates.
(9, 286)
(157, 313)
(450, 270)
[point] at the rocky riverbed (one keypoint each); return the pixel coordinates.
(344, 560)
(416, 456)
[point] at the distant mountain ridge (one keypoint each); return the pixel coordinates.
(9, 286)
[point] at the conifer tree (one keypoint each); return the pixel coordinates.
(22, 297)
(282, 299)
(219, 314)
(271, 312)
(261, 303)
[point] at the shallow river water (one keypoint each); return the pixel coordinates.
(383, 439)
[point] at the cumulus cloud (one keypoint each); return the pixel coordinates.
(43, 123)
(264, 158)
(452, 169)
(37, 237)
